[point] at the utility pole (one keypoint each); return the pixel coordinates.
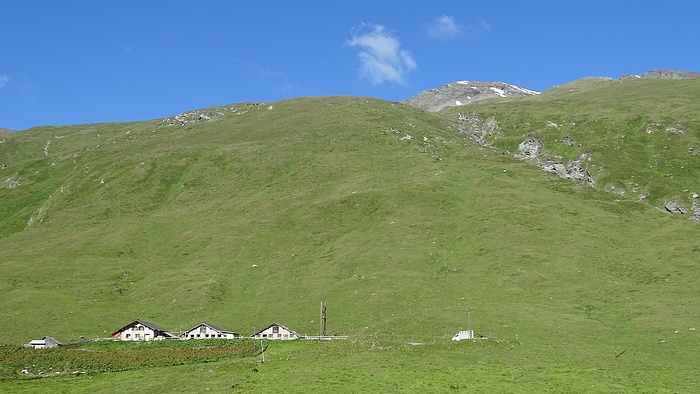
(322, 331)
(262, 350)
(469, 313)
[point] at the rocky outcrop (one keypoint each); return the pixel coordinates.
(210, 114)
(574, 169)
(673, 206)
(478, 129)
(664, 74)
(463, 93)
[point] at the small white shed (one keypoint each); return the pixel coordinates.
(44, 343)
(466, 334)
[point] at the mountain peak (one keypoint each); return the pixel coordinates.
(664, 74)
(465, 92)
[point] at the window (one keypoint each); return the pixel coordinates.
(191, 335)
(203, 329)
(128, 336)
(206, 335)
(275, 329)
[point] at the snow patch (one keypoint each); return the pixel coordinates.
(498, 91)
(527, 91)
(457, 102)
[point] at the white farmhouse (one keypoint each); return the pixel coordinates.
(140, 330)
(205, 330)
(276, 331)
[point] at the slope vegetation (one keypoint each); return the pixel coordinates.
(635, 138)
(249, 214)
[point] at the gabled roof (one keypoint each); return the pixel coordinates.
(54, 340)
(144, 323)
(45, 341)
(275, 324)
(213, 327)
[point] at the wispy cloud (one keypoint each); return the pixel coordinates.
(381, 57)
(4, 79)
(485, 25)
(444, 28)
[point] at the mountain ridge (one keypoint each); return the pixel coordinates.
(462, 93)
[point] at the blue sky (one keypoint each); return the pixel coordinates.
(74, 62)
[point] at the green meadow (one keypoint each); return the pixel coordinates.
(399, 221)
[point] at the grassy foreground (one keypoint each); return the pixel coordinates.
(347, 367)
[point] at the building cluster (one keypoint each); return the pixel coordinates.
(140, 330)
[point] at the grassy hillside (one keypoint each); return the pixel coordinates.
(642, 135)
(384, 212)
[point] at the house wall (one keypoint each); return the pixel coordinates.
(36, 344)
(138, 332)
(203, 331)
(279, 333)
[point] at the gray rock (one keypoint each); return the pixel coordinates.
(664, 74)
(574, 169)
(463, 93)
(672, 206)
(529, 148)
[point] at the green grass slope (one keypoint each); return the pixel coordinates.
(642, 136)
(381, 210)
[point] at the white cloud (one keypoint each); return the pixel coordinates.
(381, 55)
(4, 79)
(444, 28)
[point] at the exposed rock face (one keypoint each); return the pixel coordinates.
(478, 129)
(530, 148)
(574, 169)
(673, 207)
(665, 74)
(209, 114)
(463, 93)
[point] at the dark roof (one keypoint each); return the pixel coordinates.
(274, 324)
(147, 324)
(213, 327)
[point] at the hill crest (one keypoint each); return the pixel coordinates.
(465, 92)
